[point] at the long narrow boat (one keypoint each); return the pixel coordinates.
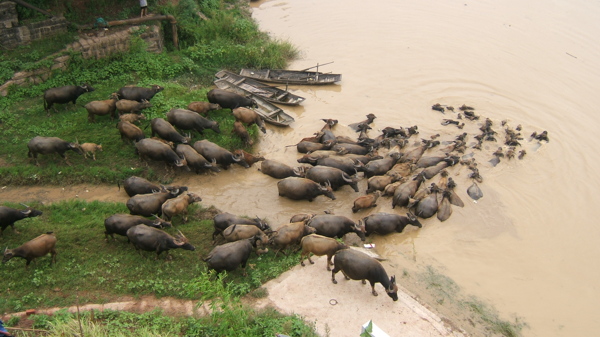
(269, 112)
(291, 76)
(270, 93)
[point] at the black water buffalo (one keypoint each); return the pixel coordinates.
(33, 249)
(352, 148)
(62, 95)
(224, 220)
(47, 145)
(230, 255)
(189, 120)
(348, 165)
(158, 151)
(195, 160)
(149, 204)
(223, 157)
(136, 185)
(336, 177)
(336, 226)
(381, 166)
(166, 131)
(139, 93)
(302, 188)
(229, 100)
(406, 190)
(9, 215)
(120, 223)
(360, 266)
(155, 240)
(386, 223)
(279, 170)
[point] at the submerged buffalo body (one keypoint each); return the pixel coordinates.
(229, 100)
(336, 177)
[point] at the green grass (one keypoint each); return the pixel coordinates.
(97, 271)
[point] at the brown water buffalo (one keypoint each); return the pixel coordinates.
(30, 250)
(120, 223)
(279, 170)
(125, 106)
(240, 130)
(149, 204)
(319, 245)
(155, 240)
(356, 265)
(378, 183)
(230, 255)
(366, 201)
(195, 160)
(237, 232)
(334, 176)
(302, 188)
(224, 220)
(203, 107)
(406, 190)
(336, 226)
(381, 166)
(62, 95)
(48, 145)
(9, 215)
(90, 148)
(386, 223)
(179, 205)
(348, 165)
(132, 118)
(136, 185)
(189, 120)
(302, 217)
(166, 131)
(223, 157)
(102, 108)
(249, 158)
(444, 210)
(139, 93)
(369, 120)
(308, 147)
(158, 151)
(290, 234)
(390, 189)
(249, 117)
(229, 100)
(128, 131)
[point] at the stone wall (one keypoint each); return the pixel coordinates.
(13, 35)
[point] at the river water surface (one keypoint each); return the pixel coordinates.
(530, 246)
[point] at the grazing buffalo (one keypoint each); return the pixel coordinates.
(240, 130)
(360, 266)
(249, 117)
(62, 95)
(279, 170)
(33, 249)
(336, 177)
(149, 204)
(302, 188)
(386, 223)
(179, 205)
(136, 185)
(47, 145)
(290, 234)
(129, 131)
(102, 108)
(224, 220)
(212, 151)
(155, 240)
(166, 131)
(237, 232)
(189, 120)
(132, 118)
(139, 94)
(229, 100)
(203, 107)
(230, 255)
(9, 215)
(120, 223)
(195, 160)
(125, 106)
(319, 245)
(366, 201)
(158, 151)
(90, 148)
(336, 226)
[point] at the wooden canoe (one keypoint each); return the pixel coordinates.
(269, 112)
(291, 76)
(270, 93)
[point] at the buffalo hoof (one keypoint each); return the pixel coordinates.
(374, 293)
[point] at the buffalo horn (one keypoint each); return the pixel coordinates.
(5, 249)
(236, 158)
(23, 205)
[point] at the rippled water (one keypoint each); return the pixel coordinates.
(530, 245)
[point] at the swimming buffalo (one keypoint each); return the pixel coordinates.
(279, 170)
(334, 176)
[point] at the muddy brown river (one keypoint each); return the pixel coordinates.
(530, 246)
